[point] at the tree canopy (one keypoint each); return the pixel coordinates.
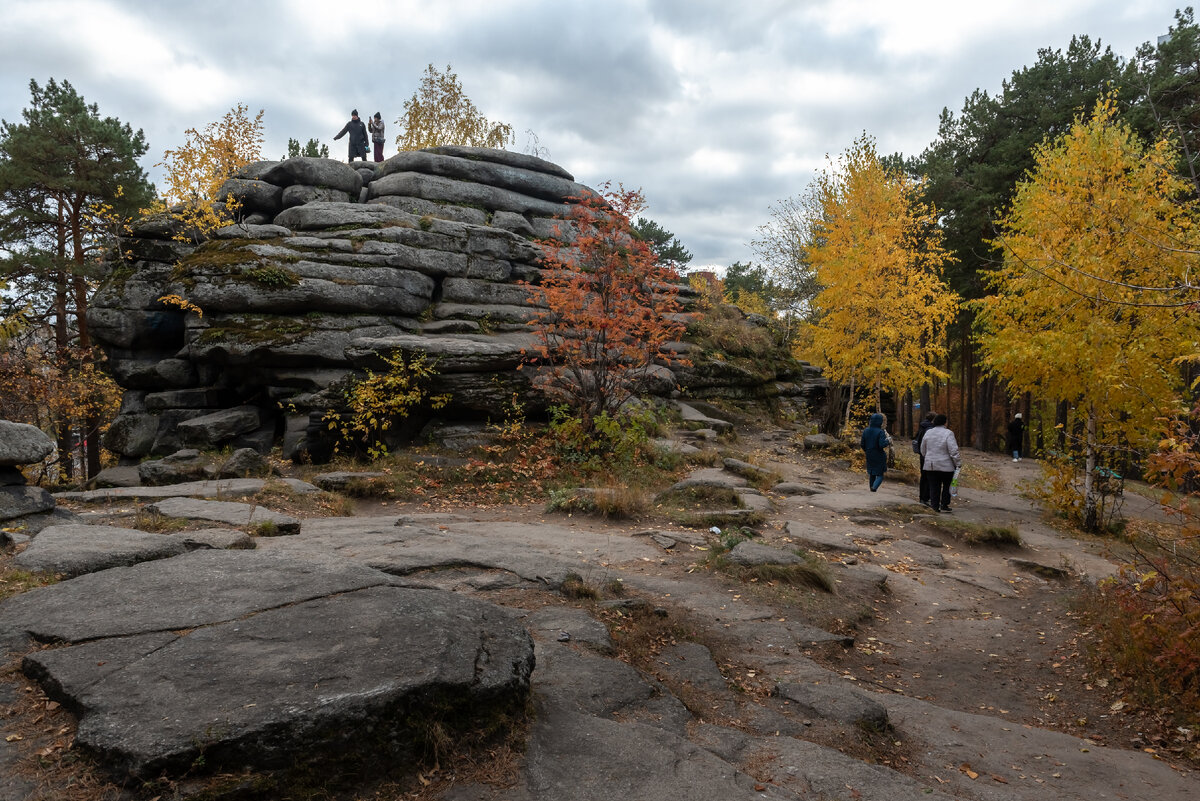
(882, 311)
(666, 246)
(440, 113)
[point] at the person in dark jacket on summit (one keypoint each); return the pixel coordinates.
(358, 136)
(925, 425)
(875, 442)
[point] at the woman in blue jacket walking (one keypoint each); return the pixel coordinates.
(875, 442)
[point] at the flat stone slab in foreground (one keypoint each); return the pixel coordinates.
(77, 549)
(265, 678)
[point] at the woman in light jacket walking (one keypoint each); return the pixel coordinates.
(940, 449)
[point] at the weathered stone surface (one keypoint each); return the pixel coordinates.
(464, 353)
(227, 488)
(245, 463)
(750, 553)
(820, 442)
(470, 290)
(252, 195)
(244, 231)
(298, 195)
(749, 471)
(534, 183)
(315, 216)
(183, 465)
(192, 590)
(214, 429)
(675, 446)
(586, 758)
(817, 539)
(836, 702)
(21, 443)
(315, 172)
(18, 501)
(76, 549)
(511, 158)
(338, 481)
(293, 661)
(792, 488)
(228, 512)
(466, 193)
(225, 538)
(918, 554)
(692, 415)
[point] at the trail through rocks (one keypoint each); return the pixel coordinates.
(933, 669)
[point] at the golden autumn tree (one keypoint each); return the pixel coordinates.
(606, 305)
(882, 310)
(1092, 303)
(440, 113)
(193, 172)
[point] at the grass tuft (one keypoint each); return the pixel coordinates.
(977, 533)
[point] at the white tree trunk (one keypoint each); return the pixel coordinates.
(1090, 505)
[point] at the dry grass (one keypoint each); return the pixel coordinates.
(610, 502)
(146, 519)
(971, 533)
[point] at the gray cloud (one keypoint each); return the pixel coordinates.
(717, 110)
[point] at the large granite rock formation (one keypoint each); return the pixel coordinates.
(331, 267)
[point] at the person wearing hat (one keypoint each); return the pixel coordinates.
(376, 128)
(358, 136)
(1016, 436)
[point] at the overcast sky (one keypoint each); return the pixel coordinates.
(716, 109)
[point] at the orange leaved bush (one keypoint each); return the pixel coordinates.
(606, 308)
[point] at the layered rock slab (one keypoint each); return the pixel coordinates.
(276, 661)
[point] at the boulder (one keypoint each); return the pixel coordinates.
(245, 463)
(18, 501)
(120, 476)
(254, 196)
(21, 443)
(73, 550)
(340, 480)
(316, 216)
(298, 195)
(818, 539)
(181, 466)
(214, 429)
(814, 442)
(315, 172)
(256, 661)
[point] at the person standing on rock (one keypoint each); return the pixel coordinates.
(376, 128)
(940, 449)
(925, 425)
(358, 136)
(1016, 436)
(875, 442)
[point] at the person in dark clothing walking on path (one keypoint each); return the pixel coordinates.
(358, 136)
(875, 442)
(1016, 436)
(925, 425)
(940, 449)
(376, 128)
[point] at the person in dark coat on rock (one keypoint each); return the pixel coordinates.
(1016, 436)
(875, 442)
(376, 127)
(358, 136)
(925, 425)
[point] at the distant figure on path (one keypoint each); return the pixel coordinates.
(376, 126)
(925, 425)
(358, 136)
(940, 449)
(875, 442)
(1016, 436)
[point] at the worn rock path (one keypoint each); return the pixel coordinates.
(745, 688)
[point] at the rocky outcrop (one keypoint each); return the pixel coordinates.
(334, 267)
(23, 509)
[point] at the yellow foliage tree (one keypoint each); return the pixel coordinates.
(1092, 303)
(882, 311)
(195, 171)
(440, 113)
